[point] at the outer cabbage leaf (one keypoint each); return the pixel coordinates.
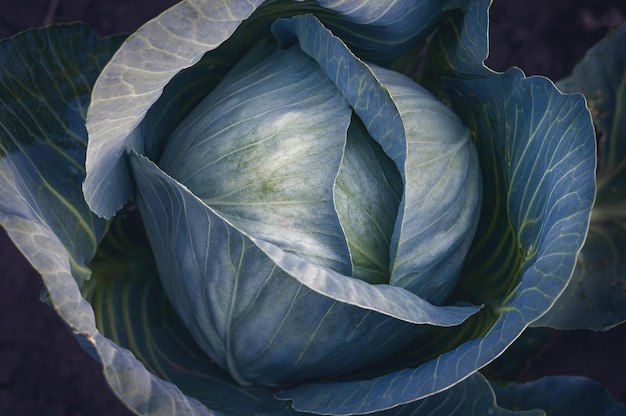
(129, 88)
(133, 80)
(537, 153)
(131, 309)
(560, 396)
(472, 397)
(459, 48)
(43, 139)
(596, 297)
(220, 264)
(393, 27)
(46, 77)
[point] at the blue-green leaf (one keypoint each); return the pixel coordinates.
(381, 30)
(226, 284)
(132, 310)
(46, 77)
(43, 138)
(367, 193)
(459, 47)
(560, 396)
(442, 193)
(472, 397)
(596, 297)
(134, 79)
(537, 152)
(270, 169)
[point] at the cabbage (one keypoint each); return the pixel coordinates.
(281, 207)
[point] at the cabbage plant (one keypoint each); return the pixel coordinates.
(283, 207)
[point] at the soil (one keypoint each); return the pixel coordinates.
(43, 370)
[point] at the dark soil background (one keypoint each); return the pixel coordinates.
(43, 371)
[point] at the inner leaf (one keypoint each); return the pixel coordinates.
(263, 150)
(367, 195)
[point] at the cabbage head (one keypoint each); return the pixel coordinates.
(283, 207)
